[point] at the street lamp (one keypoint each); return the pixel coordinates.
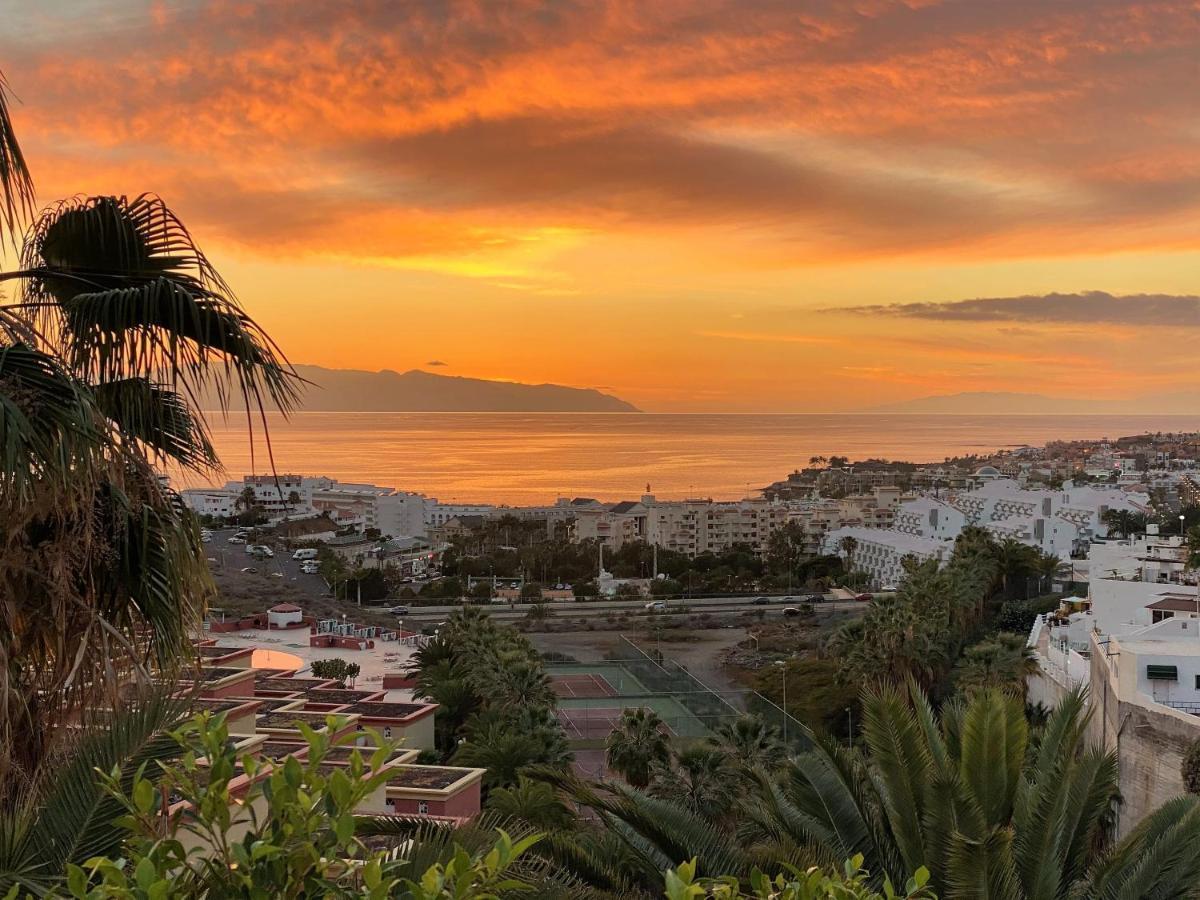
(1181, 525)
(783, 677)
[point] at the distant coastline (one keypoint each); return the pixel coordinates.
(358, 390)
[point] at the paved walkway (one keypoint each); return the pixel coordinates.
(388, 657)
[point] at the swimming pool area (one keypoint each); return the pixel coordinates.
(263, 658)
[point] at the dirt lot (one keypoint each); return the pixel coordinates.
(249, 592)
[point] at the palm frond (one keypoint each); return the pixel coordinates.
(1158, 859)
(993, 752)
(66, 816)
(158, 418)
(126, 281)
(661, 832)
(16, 184)
(982, 869)
(49, 432)
(903, 762)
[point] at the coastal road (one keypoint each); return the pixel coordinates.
(604, 608)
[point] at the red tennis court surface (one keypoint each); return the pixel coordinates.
(582, 685)
(594, 723)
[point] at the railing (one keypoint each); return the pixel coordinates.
(1192, 707)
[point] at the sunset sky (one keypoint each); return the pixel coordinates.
(759, 205)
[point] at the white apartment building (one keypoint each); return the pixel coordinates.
(1055, 522)
(880, 553)
(210, 502)
(1144, 694)
(394, 513)
(438, 514)
(929, 517)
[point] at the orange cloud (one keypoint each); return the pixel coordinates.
(488, 176)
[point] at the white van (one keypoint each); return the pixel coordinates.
(307, 553)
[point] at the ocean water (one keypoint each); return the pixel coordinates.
(520, 458)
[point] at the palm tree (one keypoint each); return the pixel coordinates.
(848, 545)
(503, 751)
(247, 499)
(968, 800)
(751, 743)
(120, 323)
(968, 797)
(637, 745)
(1123, 522)
(1047, 566)
(533, 802)
(1017, 561)
(1003, 662)
(63, 816)
(699, 778)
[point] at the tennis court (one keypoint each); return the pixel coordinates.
(585, 684)
(597, 723)
(592, 696)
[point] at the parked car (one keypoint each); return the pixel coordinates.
(761, 601)
(791, 611)
(399, 610)
(863, 598)
(815, 598)
(260, 550)
(305, 553)
(250, 570)
(656, 605)
(310, 568)
(889, 589)
(237, 540)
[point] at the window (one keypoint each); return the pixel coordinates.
(422, 807)
(1162, 673)
(387, 731)
(1198, 682)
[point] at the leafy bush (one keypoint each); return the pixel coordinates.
(337, 669)
(299, 828)
(1019, 615)
(813, 884)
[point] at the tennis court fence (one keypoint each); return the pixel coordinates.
(662, 675)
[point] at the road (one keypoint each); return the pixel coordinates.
(603, 608)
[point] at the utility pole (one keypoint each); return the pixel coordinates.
(783, 674)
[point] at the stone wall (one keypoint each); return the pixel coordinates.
(1149, 739)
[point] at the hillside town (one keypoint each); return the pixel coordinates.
(1057, 499)
(1114, 520)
